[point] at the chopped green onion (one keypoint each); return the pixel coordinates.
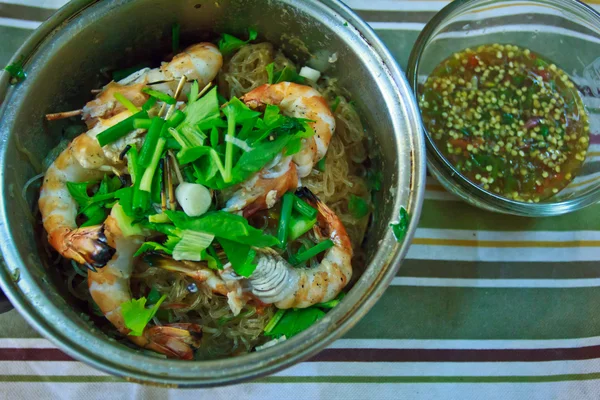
(142, 123)
(299, 226)
(321, 165)
(336, 103)
(358, 207)
(161, 218)
(133, 165)
(176, 119)
(229, 147)
(150, 141)
(274, 320)
(284, 219)
(151, 102)
(214, 137)
(175, 37)
(146, 183)
(312, 252)
(332, 303)
(16, 71)
(304, 208)
(165, 98)
(211, 250)
(119, 130)
(126, 102)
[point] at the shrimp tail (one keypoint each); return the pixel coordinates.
(86, 245)
(174, 340)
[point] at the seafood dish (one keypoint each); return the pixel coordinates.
(209, 206)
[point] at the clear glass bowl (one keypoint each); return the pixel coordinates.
(564, 31)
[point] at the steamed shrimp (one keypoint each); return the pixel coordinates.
(297, 101)
(109, 287)
(83, 160)
(199, 62)
(277, 282)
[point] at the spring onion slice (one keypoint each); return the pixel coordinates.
(140, 123)
(119, 130)
(274, 320)
(284, 219)
(303, 208)
(150, 141)
(312, 252)
(126, 103)
(165, 98)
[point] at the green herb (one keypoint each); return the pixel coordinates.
(284, 219)
(16, 71)
(401, 227)
(161, 218)
(358, 207)
(194, 92)
(94, 207)
(331, 303)
(126, 103)
(336, 103)
(223, 225)
(177, 118)
(236, 113)
(151, 102)
(374, 179)
(120, 129)
(165, 98)
(153, 296)
(175, 33)
(213, 254)
(312, 252)
(228, 43)
(287, 74)
(136, 315)
(146, 182)
(304, 208)
(151, 141)
(154, 246)
(140, 123)
(321, 164)
(295, 321)
(274, 320)
(241, 257)
(298, 226)
(191, 245)
(126, 223)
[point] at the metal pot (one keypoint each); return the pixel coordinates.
(62, 60)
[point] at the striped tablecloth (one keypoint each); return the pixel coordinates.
(485, 307)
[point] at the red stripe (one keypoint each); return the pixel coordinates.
(376, 355)
(17, 354)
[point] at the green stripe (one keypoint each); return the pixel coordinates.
(427, 379)
(408, 312)
(499, 270)
(444, 214)
(327, 379)
(60, 378)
